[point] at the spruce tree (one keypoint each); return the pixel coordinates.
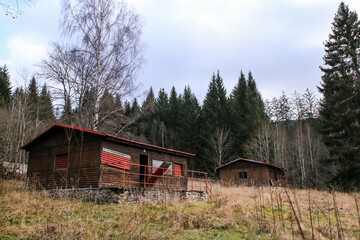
(46, 111)
(173, 118)
(127, 109)
(146, 120)
(5, 87)
(215, 115)
(215, 112)
(135, 113)
(188, 127)
(162, 105)
(149, 104)
(33, 99)
(107, 117)
(161, 119)
(239, 112)
(281, 109)
(248, 113)
(256, 104)
(340, 106)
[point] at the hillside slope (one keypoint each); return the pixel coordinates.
(233, 213)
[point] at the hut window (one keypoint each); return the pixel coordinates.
(61, 162)
(243, 175)
(115, 159)
(157, 163)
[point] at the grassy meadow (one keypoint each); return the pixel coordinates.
(232, 213)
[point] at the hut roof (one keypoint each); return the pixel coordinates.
(110, 137)
(251, 161)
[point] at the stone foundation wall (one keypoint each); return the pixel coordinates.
(137, 195)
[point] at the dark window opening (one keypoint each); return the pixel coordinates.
(61, 162)
(143, 167)
(243, 175)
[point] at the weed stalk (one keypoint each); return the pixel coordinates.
(296, 217)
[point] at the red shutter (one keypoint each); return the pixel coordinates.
(61, 162)
(178, 170)
(115, 159)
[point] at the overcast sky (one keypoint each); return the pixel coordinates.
(279, 41)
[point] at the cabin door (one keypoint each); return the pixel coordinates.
(143, 168)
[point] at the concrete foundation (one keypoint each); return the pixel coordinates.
(106, 195)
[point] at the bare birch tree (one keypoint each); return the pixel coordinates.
(298, 109)
(13, 9)
(219, 146)
(102, 52)
(260, 146)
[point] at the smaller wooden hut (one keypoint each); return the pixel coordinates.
(250, 172)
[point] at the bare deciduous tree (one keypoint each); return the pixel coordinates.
(260, 146)
(292, 142)
(219, 146)
(102, 52)
(13, 9)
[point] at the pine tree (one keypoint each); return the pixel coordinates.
(162, 105)
(215, 112)
(256, 105)
(107, 116)
(5, 87)
(33, 100)
(46, 111)
(173, 118)
(83, 114)
(149, 104)
(215, 115)
(310, 105)
(188, 127)
(147, 119)
(340, 107)
(248, 113)
(134, 113)
(239, 110)
(127, 108)
(161, 119)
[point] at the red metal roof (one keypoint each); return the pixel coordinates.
(111, 137)
(248, 160)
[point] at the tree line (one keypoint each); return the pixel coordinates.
(222, 128)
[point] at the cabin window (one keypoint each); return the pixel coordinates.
(157, 163)
(243, 175)
(178, 170)
(115, 159)
(61, 162)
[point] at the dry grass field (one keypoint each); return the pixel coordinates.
(232, 213)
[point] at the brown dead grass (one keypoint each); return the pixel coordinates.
(329, 220)
(232, 213)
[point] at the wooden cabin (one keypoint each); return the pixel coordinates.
(72, 157)
(249, 172)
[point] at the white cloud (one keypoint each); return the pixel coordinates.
(24, 40)
(187, 40)
(23, 51)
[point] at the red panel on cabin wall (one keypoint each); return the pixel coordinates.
(115, 160)
(61, 162)
(177, 170)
